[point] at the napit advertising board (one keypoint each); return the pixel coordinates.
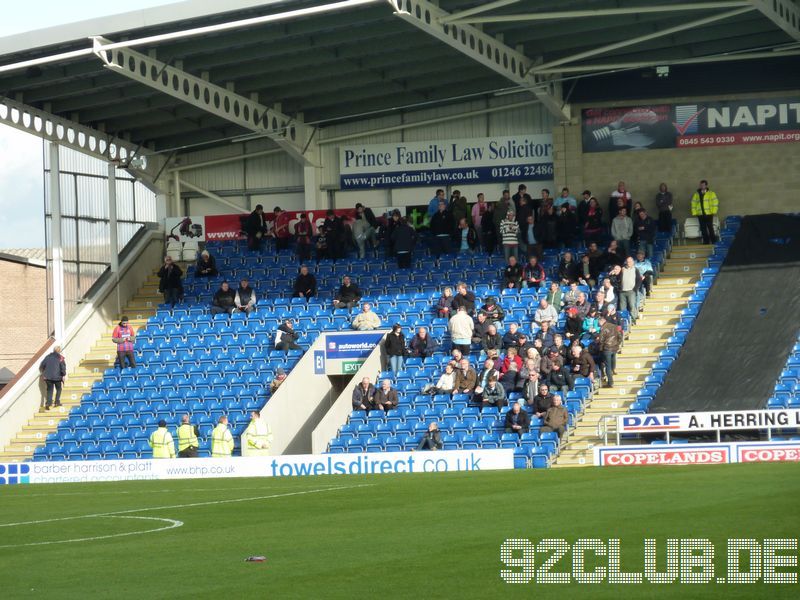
(696, 454)
(256, 466)
(691, 125)
(446, 162)
(708, 421)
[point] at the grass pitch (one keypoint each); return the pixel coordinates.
(379, 536)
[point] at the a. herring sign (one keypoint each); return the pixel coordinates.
(447, 162)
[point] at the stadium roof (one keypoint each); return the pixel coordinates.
(360, 57)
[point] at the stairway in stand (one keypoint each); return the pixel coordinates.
(647, 338)
(81, 377)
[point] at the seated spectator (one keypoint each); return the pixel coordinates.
(364, 396)
(422, 345)
(622, 229)
(559, 347)
(545, 312)
(574, 327)
(529, 387)
(461, 327)
(206, 265)
(568, 269)
(600, 303)
(534, 273)
(385, 397)
(224, 300)
(280, 377)
(348, 294)
(582, 305)
(523, 343)
(492, 339)
(493, 311)
(255, 227)
(366, 320)
(466, 378)
(286, 337)
(549, 359)
(483, 377)
(305, 285)
(512, 274)
(494, 394)
(585, 274)
(466, 237)
(532, 354)
(455, 357)
(245, 297)
(170, 283)
(395, 346)
(596, 259)
(511, 337)
(581, 363)
(571, 297)
(517, 420)
(446, 383)
(556, 418)
(530, 367)
(542, 401)
(445, 306)
(591, 323)
(464, 298)
(554, 297)
(612, 256)
(647, 273)
(546, 334)
(560, 379)
(482, 325)
(432, 440)
(645, 228)
(512, 364)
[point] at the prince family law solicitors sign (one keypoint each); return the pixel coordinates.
(446, 162)
(691, 125)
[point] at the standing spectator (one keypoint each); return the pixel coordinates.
(566, 199)
(322, 243)
(622, 229)
(404, 238)
(364, 395)
(335, 235)
(542, 401)
(645, 229)
(664, 206)
(489, 371)
(705, 206)
(512, 274)
(206, 265)
(612, 284)
(583, 208)
(161, 441)
(461, 327)
(547, 234)
(255, 226)
(534, 273)
(466, 237)
(494, 394)
(364, 230)
(593, 225)
(488, 230)
(442, 230)
(444, 308)
(565, 226)
(221, 440)
(170, 282)
(509, 235)
(493, 311)
(385, 397)
(532, 246)
(478, 210)
(286, 337)
(366, 320)
(53, 370)
(457, 207)
(224, 301)
(608, 344)
(305, 285)
(620, 197)
(303, 232)
(348, 294)
(544, 203)
(422, 345)
(523, 211)
(501, 209)
(630, 282)
(491, 340)
(613, 255)
(466, 378)
(568, 269)
(464, 298)
(280, 229)
(280, 377)
(647, 273)
(517, 421)
(546, 312)
(556, 418)
(432, 440)
(392, 224)
(124, 337)
(433, 205)
(245, 297)
(187, 435)
(395, 346)
(522, 191)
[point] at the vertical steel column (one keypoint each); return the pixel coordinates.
(55, 237)
(112, 217)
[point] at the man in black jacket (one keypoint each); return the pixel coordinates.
(348, 294)
(53, 370)
(517, 420)
(403, 240)
(512, 275)
(442, 230)
(364, 395)
(170, 283)
(305, 286)
(224, 300)
(432, 440)
(255, 227)
(286, 337)
(206, 265)
(463, 298)
(335, 234)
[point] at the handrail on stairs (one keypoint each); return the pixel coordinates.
(603, 428)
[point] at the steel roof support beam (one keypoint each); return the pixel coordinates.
(484, 49)
(784, 13)
(290, 134)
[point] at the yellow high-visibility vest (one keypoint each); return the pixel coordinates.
(221, 441)
(186, 437)
(162, 443)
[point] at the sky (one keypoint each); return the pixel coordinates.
(21, 193)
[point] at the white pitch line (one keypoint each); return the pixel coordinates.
(173, 523)
(207, 503)
(134, 492)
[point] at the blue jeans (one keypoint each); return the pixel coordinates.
(511, 250)
(608, 366)
(397, 363)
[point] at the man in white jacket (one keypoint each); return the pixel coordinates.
(461, 328)
(257, 438)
